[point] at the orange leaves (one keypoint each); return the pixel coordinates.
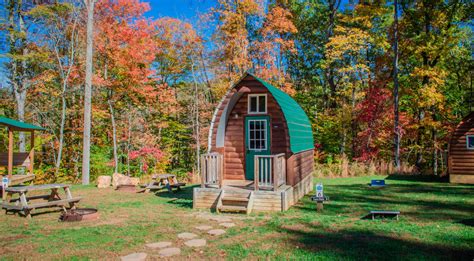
(278, 21)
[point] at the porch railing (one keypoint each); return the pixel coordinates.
(270, 171)
(212, 169)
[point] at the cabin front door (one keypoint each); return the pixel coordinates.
(257, 141)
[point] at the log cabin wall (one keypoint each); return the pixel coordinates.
(299, 166)
(461, 159)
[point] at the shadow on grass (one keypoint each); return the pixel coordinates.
(441, 202)
(468, 222)
(182, 198)
(356, 244)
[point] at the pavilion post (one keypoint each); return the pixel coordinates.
(10, 154)
(32, 152)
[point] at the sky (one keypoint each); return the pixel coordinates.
(187, 10)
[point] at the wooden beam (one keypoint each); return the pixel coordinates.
(10, 153)
(32, 152)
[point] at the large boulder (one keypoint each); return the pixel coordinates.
(120, 179)
(104, 181)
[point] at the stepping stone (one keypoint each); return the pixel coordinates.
(187, 235)
(171, 251)
(203, 227)
(159, 245)
(216, 232)
(221, 219)
(227, 224)
(134, 257)
(195, 243)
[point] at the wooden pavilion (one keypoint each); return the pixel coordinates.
(12, 159)
(261, 151)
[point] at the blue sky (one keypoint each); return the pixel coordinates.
(187, 10)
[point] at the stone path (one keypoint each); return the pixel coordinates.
(187, 235)
(134, 257)
(227, 224)
(171, 251)
(166, 248)
(216, 232)
(196, 243)
(204, 227)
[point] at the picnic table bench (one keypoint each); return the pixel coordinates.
(25, 204)
(384, 213)
(162, 181)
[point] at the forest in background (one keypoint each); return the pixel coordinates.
(156, 81)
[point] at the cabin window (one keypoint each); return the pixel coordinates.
(470, 142)
(257, 104)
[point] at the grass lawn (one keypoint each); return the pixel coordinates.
(437, 222)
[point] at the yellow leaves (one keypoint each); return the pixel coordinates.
(429, 93)
(346, 41)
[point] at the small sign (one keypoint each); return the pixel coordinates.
(319, 190)
(4, 182)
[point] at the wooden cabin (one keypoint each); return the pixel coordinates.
(461, 152)
(260, 151)
(11, 159)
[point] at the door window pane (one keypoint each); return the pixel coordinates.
(257, 134)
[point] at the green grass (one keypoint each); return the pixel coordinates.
(436, 224)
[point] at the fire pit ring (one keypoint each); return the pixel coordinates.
(79, 214)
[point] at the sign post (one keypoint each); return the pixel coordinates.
(319, 197)
(4, 186)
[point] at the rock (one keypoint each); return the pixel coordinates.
(227, 224)
(221, 219)
(195, 243)
(171, 251)
(104, 181)
(120, 179)
(216, 232)
(203, 227)
(159, 245)
(135, 181)
(187, 235)
(134, 257)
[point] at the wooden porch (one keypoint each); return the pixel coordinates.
(267, 192)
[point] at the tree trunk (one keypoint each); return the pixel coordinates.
(88, 94)
(65, 78)
(129, 139)
(114, 135)
(333, 7)
(435, 151)
(21, 93)
(196, 111)
(396, 127)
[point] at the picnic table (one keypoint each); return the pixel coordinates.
(25, 204)
(162, 181)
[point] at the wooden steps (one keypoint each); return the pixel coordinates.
(232, 201)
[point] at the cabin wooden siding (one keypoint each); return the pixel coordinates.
(299, 166)
(461, 159)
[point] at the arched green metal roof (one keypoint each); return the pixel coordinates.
(299, 127)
